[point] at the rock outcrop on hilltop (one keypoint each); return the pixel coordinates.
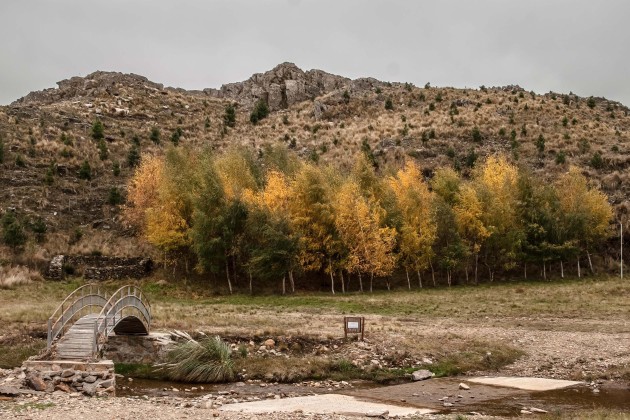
(283, 86)
(93, 85)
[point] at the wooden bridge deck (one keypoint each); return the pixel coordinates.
(126, 312)
(77, 342)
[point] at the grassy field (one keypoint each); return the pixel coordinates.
(189, 306)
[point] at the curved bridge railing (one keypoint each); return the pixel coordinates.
(87, 298)
(128, 301)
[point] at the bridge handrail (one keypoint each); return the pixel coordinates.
(128, 296)
(88, 295)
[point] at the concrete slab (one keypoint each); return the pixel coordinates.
(324, 404)
(527, 384)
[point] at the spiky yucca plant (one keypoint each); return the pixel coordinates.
(206, 360)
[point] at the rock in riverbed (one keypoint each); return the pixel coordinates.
(421, 375)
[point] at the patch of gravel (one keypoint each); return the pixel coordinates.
(557, 348)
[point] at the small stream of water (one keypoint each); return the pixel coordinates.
(563, 400)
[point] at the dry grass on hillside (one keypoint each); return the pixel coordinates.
(16, 276)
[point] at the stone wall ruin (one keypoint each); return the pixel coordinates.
(98, 267)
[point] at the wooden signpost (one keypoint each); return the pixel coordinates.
(353, 325)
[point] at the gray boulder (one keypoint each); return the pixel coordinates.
(421, 375)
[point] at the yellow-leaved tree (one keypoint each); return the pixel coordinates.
(274, 200)
(359, 223)
(468, 216)
(276, 194)
(495, 182)
(313, 219)
(166, 229)
(418, 229)
(143, 190)
(585, 211)
(239, 176)
(234, 169)
(160, 202)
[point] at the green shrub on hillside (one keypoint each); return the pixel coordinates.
(12, 231)
(103, 153)
(155, 135)
(540, 143)
(116, 168)
(133, 157)
(177, 134)
(476, 135)
(85, 171)
(229, 116)
(260, 111)
(98, 130)
(114, 197)
(561, 158)
(19, 161)
(39, 228)
(597, 161)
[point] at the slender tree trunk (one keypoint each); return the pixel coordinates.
(291, 281)
(332, 277)
(227, 273)
(544, 271)
(360, 283)
(525, 270)
(165, 260)
(432, 273)
(491, 274)
(590, 263)
(234, 271)
(448, 277)
(419, 280)
(284, 285)
(251, 290)
(343, 286)
(466, 273)
(579, 271)
(388, 284)
(408, 281)
(561, 270)
(371, 280)
(476, 266)
(186, 264)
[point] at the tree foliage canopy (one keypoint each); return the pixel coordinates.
(271, 215)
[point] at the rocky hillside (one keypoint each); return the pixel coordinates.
(47, 137)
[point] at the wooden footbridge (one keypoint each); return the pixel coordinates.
(79, 327)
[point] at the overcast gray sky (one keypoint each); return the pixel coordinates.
(542, 45)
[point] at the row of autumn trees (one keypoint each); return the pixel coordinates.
(270, 216)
